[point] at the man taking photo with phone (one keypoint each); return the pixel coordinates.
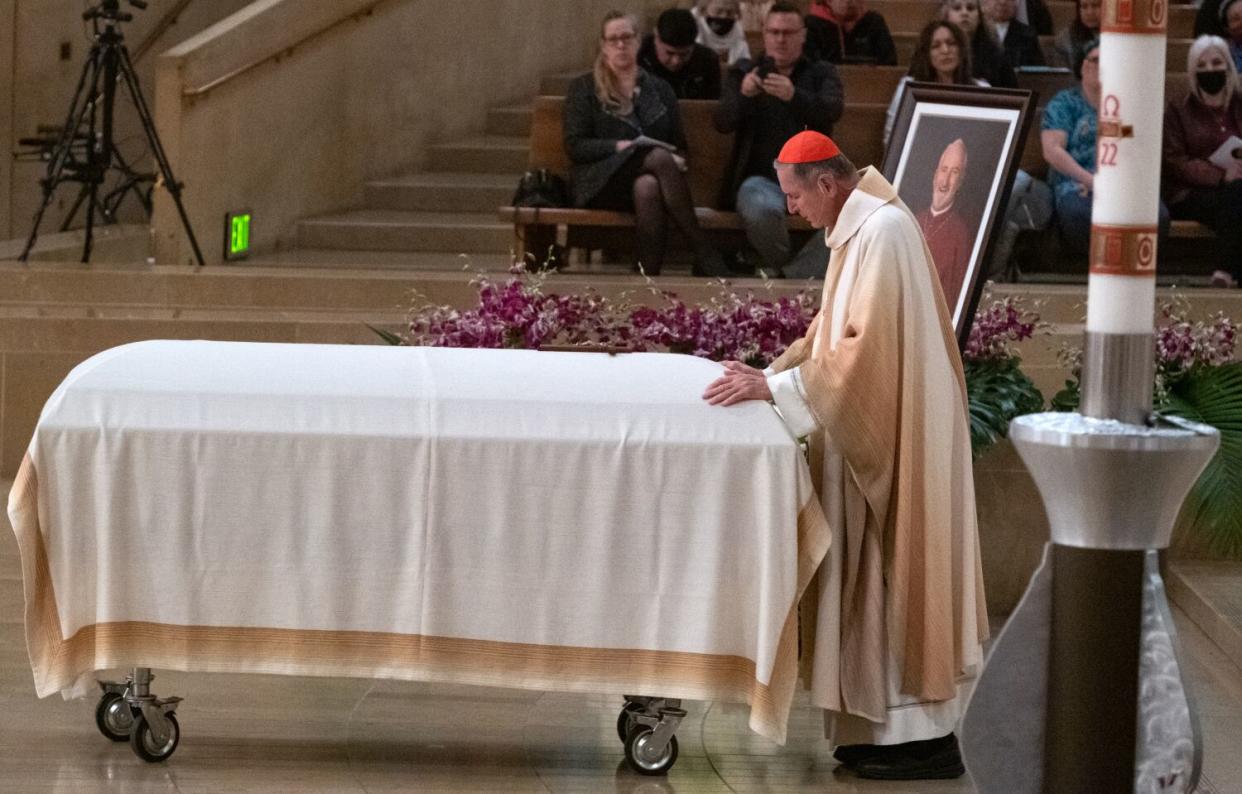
(766, 103)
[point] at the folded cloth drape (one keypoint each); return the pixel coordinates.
(554, 521)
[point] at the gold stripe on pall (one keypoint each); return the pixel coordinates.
(1123, 250)
(1146, 17)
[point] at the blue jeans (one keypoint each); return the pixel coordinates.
(762, 206)
(1074, 218)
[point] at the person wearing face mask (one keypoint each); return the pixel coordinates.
(720, 31)
(1084, 28)
(1194, 128)
(849, 34)
(987, 59)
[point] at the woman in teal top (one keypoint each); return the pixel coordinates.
(1068, 136)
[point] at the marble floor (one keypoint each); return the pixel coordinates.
(284, 734)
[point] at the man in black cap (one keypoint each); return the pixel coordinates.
(671, 55)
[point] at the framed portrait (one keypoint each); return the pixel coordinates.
(952, 157)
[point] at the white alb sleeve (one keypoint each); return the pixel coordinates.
(790, 398)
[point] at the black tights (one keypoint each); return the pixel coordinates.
(660, 191)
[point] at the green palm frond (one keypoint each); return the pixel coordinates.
(1213, 510)
(996, 392)
(387, 336)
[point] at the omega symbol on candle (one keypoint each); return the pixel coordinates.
(1109, 126)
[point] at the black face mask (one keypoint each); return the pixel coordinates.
(1212, 82)
(721, 25)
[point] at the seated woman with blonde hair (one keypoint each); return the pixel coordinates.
(1195, 185)
(623, 135)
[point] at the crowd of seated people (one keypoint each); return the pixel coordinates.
(609, 113)
(1084, 28)
(624, 137)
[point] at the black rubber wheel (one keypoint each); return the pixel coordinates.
(114, 717)
(144, 745)
(644, 766)
(624, 721)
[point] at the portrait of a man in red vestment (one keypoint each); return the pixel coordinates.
(948, 235)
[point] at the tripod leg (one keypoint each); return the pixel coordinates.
(60, 155)
(148, 126)
(73, 211)
(97, 169)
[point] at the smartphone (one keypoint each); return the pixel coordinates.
(765, 66)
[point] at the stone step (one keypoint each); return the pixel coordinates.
(488, 154)
(395, 230)
(442, 191)
(513, 120)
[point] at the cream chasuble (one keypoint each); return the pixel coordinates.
(897, 611)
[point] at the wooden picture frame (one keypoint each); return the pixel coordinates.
(937, 122)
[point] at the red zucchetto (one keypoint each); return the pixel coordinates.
(807, 146)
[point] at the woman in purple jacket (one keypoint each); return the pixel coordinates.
(1195, 187)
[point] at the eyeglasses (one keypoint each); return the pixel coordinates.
(623, 40)
(782, 33)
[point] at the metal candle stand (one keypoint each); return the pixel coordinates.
(1083, 691)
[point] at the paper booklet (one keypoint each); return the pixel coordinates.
(1228, 155)
(643, 140)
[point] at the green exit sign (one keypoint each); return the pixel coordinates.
(236, 235)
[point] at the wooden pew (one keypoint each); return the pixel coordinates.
(909, 16)
(709, 157)
(859, 134)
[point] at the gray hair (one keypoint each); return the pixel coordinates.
(840, 167)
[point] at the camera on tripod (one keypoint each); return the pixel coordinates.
(110, 10)
(85, 150)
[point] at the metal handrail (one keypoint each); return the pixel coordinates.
(211, 85)
(167, 21)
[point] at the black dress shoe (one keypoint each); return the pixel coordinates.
(853, 753)
(933, 759)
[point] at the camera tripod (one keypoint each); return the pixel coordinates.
(93, 104)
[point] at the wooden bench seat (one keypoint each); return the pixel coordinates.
(859, 133)
(708, 218)
(709, 156)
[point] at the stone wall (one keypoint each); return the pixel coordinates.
(288, 108)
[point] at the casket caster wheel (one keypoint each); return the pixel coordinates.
(641, 758)
(114, 717)
(625, 720)
(144, 744)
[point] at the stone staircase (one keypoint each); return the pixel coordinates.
(449, 209)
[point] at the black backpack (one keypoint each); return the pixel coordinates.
(541, 188)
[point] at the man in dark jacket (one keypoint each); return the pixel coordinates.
(1020, 42)
(766, 103)
(853, 35)
(671, 54)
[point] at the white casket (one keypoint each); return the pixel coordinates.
(553, 521)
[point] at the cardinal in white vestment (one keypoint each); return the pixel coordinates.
(894, 627)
